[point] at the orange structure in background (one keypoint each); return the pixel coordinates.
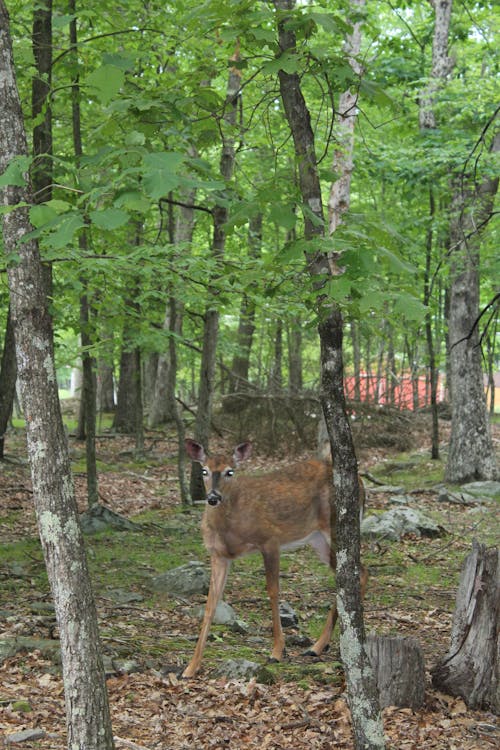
(404, 392)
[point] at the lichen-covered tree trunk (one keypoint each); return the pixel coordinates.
(88, 718)
(361, 686)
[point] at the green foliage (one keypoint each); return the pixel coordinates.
(153, 105)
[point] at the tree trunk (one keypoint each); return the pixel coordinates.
(361, 686)
(471, 668)
(41, 110)
(356, 360)
(88, 718)
(105, 386)
(126, 406)
(211, 328)
(160, 411)
(246, 326)
(8, 377)
(471, 455)
(276, 371)
(441, 67)
(398, 664)
(295, 356)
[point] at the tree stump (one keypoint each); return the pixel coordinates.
(471, 667)
(398, 665)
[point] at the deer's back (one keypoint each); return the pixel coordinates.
(285, 506)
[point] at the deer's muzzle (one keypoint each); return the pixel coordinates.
(214, 497)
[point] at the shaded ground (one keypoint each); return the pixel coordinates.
(411, 592)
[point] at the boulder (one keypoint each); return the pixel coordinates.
(395, 523)
(186, 580)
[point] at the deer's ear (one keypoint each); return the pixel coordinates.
(242, 451)
(194, 450)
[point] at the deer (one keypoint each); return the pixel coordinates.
(265, 513)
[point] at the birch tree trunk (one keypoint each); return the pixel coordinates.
(88, 718)
(361, 686)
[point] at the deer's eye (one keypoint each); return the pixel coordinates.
(204, 472)
(229, 472)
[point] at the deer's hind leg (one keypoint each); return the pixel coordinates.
(322, 547)
(271, 555)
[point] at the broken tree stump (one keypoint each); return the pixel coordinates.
(398, 665)
(471, 667)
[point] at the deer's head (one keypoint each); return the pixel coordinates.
(217, 470)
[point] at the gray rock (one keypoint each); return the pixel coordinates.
(482, 489)
(48, 648)
(98, 518)
(397, 522)
(185, 580)
(224, 614)
(239, 669)
(288, 616)
(26, 735)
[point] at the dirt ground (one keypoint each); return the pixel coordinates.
(152, 709)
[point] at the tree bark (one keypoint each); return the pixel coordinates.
(471, 668)
(240, 366)
(471, 455)
(398, 664)
(361, 686)
(211, 318)
(88, 718)
(8, 377)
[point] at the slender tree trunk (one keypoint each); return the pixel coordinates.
(276, 372)
(8, 377)
(433, 374)
(211, 318)
(295, 356)
(88, 718)
(441, 68)
(356, 360)
(88, 408)
(105, 386)
(159, 411)
(361, 686)
(240, 366)
(41, 108)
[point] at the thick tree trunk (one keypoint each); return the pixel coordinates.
(471, 668)
(87, 708)
(8, 377)
(471, 455)
(361, 686)
(398, 664)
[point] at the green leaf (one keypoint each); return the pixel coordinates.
(42, 214)
(68, 226)
(283, 216)
(109, 218)
(106, 81)
(14, 174)
(161, 173)
(288, 61)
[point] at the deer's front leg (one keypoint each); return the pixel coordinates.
(272, 567)
(218, 577)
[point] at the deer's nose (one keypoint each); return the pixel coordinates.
(214, 497)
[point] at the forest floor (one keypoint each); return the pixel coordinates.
(147, 636)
